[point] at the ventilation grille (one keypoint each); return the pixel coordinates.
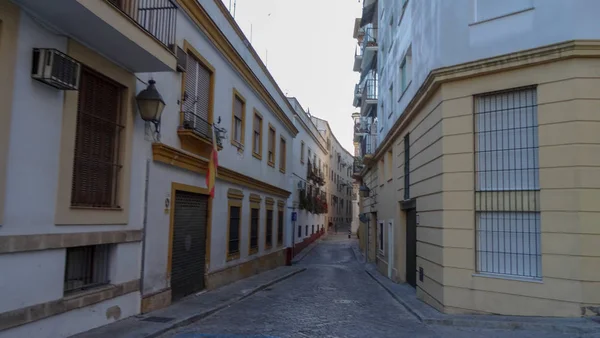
(55, 69)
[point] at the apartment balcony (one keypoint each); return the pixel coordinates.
(137, 34)
(357, 95)
(358, 57)
(369, 46)
(368, 146)
(370, 94)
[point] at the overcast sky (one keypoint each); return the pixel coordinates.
(310, 53)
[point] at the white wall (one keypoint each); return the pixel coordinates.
(80, 320)
(444, 33)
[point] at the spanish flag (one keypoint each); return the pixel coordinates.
(213, 164)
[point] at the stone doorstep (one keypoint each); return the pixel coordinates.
(184, 312)
(431, 316)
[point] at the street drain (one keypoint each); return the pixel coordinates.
(158, 319)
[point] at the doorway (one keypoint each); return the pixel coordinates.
(411, 247)
(188, 244)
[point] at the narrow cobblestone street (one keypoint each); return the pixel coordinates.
(334, 297)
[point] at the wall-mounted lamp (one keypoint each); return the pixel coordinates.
(151, 105)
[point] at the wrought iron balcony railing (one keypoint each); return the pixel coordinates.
(197, 124)
(157, 17)
(371, 89)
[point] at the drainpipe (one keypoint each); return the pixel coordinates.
(144, 223)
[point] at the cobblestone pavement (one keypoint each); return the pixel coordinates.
(334, 297)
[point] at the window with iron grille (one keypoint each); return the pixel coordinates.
(280, 228)
(282, 154)
(407, 167)
(306, 230)
(254, 222)
(197, 100)
(86, 267)
(299, 231)
(239, 108)
(507, 183)
(271, 145)
(269, 231)
(96, 164)
(257, 125)
(312, 230)
(233, 249)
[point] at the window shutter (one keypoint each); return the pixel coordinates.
(189, 104)
(256, 124)
(238, 108)
(96, 162)
(203, 104)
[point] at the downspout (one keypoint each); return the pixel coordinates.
(144, 223)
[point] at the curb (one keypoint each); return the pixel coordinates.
(202, 315)
(306, 251)
(449, 320)
(398, 299)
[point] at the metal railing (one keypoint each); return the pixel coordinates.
(157, 17)
(368, 144)
(370, 90)
(370, 38)
(197, 124)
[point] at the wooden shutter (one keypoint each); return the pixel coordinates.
(96, 164)
(257, 123)
(203, 105)
(238, 108)
(234, 230)
(191, 93)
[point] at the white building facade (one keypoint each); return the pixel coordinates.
(101, 217)
(309, 189)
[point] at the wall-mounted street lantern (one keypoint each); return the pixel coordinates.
(151, 105)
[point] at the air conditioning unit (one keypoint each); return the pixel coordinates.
(302, 185)
(55, 69)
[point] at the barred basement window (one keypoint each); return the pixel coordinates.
(299, 231)
(507, 187)
(86, 267)
(96, 164)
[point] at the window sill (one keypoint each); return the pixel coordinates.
(509, 278)
(282, 171)
(253, 251)
(257, 156)
(390, 179)
(501, 16)
(96, 208)
(268, 247)
(82, 293)
(271, 164)
(404, 90)
(238, 145)
(231, 257)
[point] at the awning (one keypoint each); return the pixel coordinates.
(368, 14)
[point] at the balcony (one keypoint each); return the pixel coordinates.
(136, 34)
(369, 46)
(368, 145)
(357, 96)
(358, 56)
(195, 134)
(370, 94)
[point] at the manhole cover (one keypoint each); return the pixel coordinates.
(344, 301)
(326, 288)
(158, 319)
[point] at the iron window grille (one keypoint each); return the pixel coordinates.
(196, 99)
(254, 229)
(299, 231)
(507, 183)
(96, 164)
(234, 231)
(269, 231)
(86, 267)
(280, 228)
